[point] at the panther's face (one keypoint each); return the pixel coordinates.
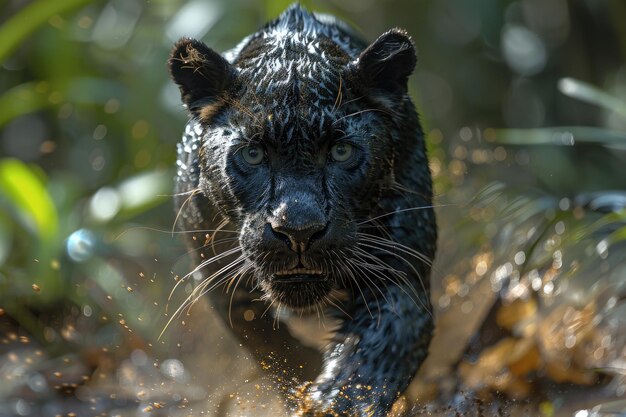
(296, 156)
(298, 188)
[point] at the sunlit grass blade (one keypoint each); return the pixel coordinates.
(29, 19)
(608, 409)
(590, 94)
(560, 136)
(22, 188)
(604, 201)
(6, 236)
(618, 236)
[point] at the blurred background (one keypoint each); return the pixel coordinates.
(524, 103)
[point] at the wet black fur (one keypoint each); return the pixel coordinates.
(295, 88)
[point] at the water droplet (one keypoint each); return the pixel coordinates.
(248, 315)
(80, 245)
(105, 204)
(173, 368)
(467, 307)
(139, 357)
(37, 383)
(559, 228)
(523, 50)
(548, 288)
(481, 268)
(23, 408)
(602, 248)
(444, 301)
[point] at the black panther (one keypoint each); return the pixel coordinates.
(304, 186)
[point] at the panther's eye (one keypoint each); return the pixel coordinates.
(341, 152)
(253, 154)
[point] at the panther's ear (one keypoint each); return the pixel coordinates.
(201, 74)
(386, 64)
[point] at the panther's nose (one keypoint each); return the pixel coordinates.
(298, 222)
(298, 238)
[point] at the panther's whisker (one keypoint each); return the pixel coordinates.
(391, 213)
(336, 304)
(358, 286)
(373, 245)
(239, 276)
(243, 268)
(192, 193)
(191, 298)
(399, 275)
(368, 268)
(382, 228)
(345, 271)
(169, 232)
(364, 274)
(319, 310)
(181, 193)
(382, 265)
(383, 277)
(202, 287)
(339, 98)
(212, 238)
(340, 271)
(202, 265)
(197, 249)
(356, 113)
(268, 308)
(376, 240)
(403, 259)
(382, 273)
(404, 189)
(350, 101)
(209, 261)
(395, 245)
(276, 322)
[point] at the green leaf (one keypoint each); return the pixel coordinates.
(618, 236)
(274, 8)
(29, 19)
(28, 194)
(560, 136)
(22, 99)
(6, 235)
(32, 96)
(588, 93)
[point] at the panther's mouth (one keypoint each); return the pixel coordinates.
(299, 275)
(299, 288)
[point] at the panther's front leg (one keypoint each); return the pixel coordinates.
(374, 355)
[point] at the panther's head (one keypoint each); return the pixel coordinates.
(299, 140)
